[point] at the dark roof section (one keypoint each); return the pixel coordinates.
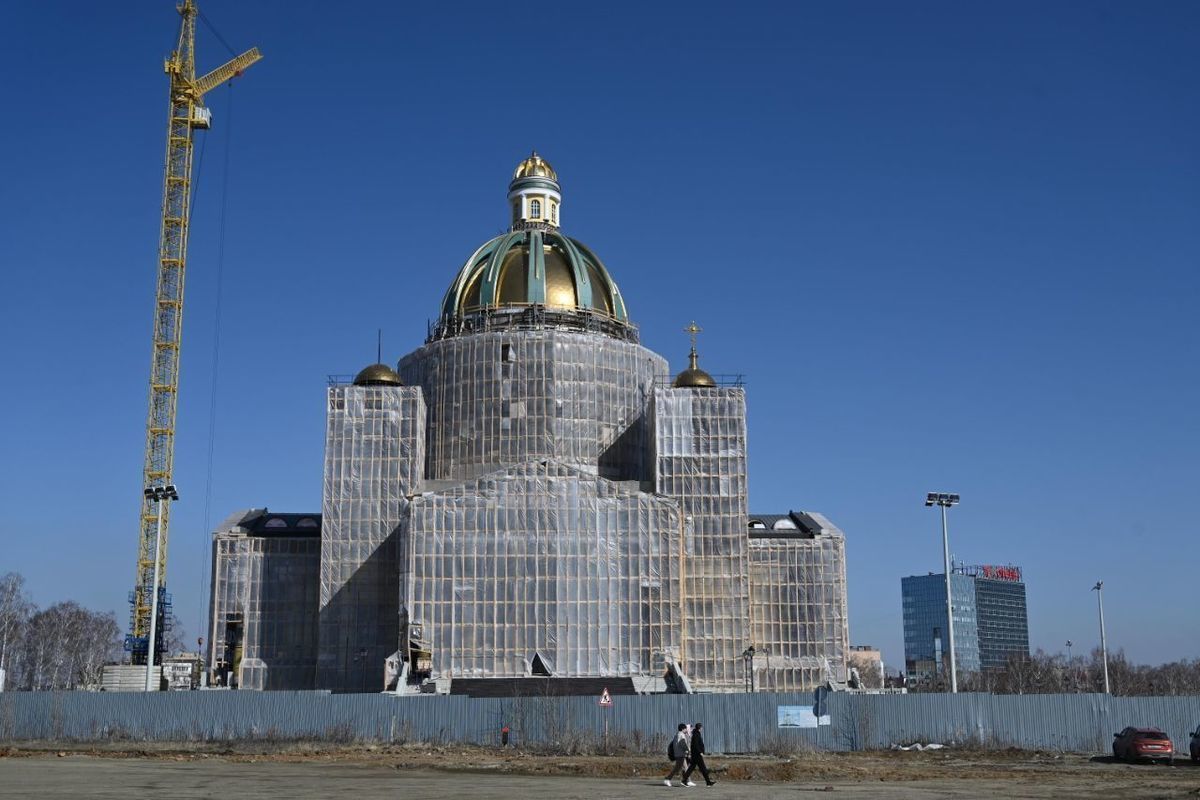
(264, 522)
(792, 525)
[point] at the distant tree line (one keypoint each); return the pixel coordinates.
(61, 647)
(1054, 673)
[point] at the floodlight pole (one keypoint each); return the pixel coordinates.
(1099, 590)
(945, 500)
(949, 602)
(162, 494)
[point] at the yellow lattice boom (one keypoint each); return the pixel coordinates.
(187, 113)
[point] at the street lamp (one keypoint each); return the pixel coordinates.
(945, 500)
(748, 657)
(1099, 590)
(161, 495)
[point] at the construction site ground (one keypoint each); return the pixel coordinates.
(122, 770)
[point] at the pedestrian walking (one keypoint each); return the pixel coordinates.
(697, 758)
(678, 751)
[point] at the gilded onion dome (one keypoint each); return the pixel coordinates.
(534, 266)
(377, 375)
(693, 377)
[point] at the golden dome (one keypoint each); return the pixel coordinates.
(378, 375)
(693, 377)
(535, 167)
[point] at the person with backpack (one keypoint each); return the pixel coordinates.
(697, 756)
(678, 752)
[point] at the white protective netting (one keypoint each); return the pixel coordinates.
(700, 460)
(798, 594)
(263, 615)
(374, 458)
(545, 560)
(502, 398)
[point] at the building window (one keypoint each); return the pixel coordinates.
(554, 212)
(517, 211)
(535, 209)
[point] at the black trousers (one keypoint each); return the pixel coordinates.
(697, 763)
(679, 763)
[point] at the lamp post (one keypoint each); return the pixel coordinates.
(161, 495)
(1099, 590)
(945, 500)
(748, 657)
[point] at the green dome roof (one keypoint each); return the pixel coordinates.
(534, 268)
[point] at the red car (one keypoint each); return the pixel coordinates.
(1148, 743)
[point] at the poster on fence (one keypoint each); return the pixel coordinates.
(800, 717)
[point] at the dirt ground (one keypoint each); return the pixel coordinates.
(307, 771)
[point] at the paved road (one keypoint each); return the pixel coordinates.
(124, 778)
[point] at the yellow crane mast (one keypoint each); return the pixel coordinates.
(187, 114)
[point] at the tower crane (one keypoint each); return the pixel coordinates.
(187, 114)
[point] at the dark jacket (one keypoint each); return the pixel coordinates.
(697, 744)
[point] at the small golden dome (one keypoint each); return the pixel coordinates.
(693, 377)
(378, 375)
(535, 167)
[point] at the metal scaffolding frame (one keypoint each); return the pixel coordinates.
(544, 568)
(374, 458)
(798, 603)
(700, 460)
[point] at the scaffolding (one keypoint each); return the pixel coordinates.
(374, 458)
(508, 397)
(265, 587)
(543, 568)
(798, 596)
(700, 460)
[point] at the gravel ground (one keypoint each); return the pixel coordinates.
(176, 771)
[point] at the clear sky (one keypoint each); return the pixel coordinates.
(952, 246)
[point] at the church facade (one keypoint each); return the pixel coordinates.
(531, 494)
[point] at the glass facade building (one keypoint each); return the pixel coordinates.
(926, 641)
(1003, 621)
(990, 620)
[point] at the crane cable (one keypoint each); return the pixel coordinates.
(216, 360)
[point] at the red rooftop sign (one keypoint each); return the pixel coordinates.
(1000, 573)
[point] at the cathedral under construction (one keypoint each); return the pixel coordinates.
(531, 498)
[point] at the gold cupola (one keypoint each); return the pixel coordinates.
(534, 195)
(693, 377)
(377, 375)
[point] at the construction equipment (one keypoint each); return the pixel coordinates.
(187, 113)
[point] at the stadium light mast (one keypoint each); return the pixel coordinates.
(1099, 590)
(159, 495)
(945, 500)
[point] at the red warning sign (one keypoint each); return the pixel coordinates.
(605, 699)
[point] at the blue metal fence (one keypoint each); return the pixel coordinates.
(733, 722)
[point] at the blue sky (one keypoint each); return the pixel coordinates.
(951, 247)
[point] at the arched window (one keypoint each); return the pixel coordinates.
(554, 212)
(784, 524)
(517, 211)
(535, 209)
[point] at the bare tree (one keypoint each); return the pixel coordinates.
(15, 608)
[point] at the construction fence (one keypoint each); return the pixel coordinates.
(733, 723)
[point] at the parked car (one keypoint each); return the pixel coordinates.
(1194, 748)
(1148, 743)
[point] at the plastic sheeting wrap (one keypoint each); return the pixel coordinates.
(374, 457)
(545, 560)
(502, 398)
(268, 587)
(799, 609)
(700, 460)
